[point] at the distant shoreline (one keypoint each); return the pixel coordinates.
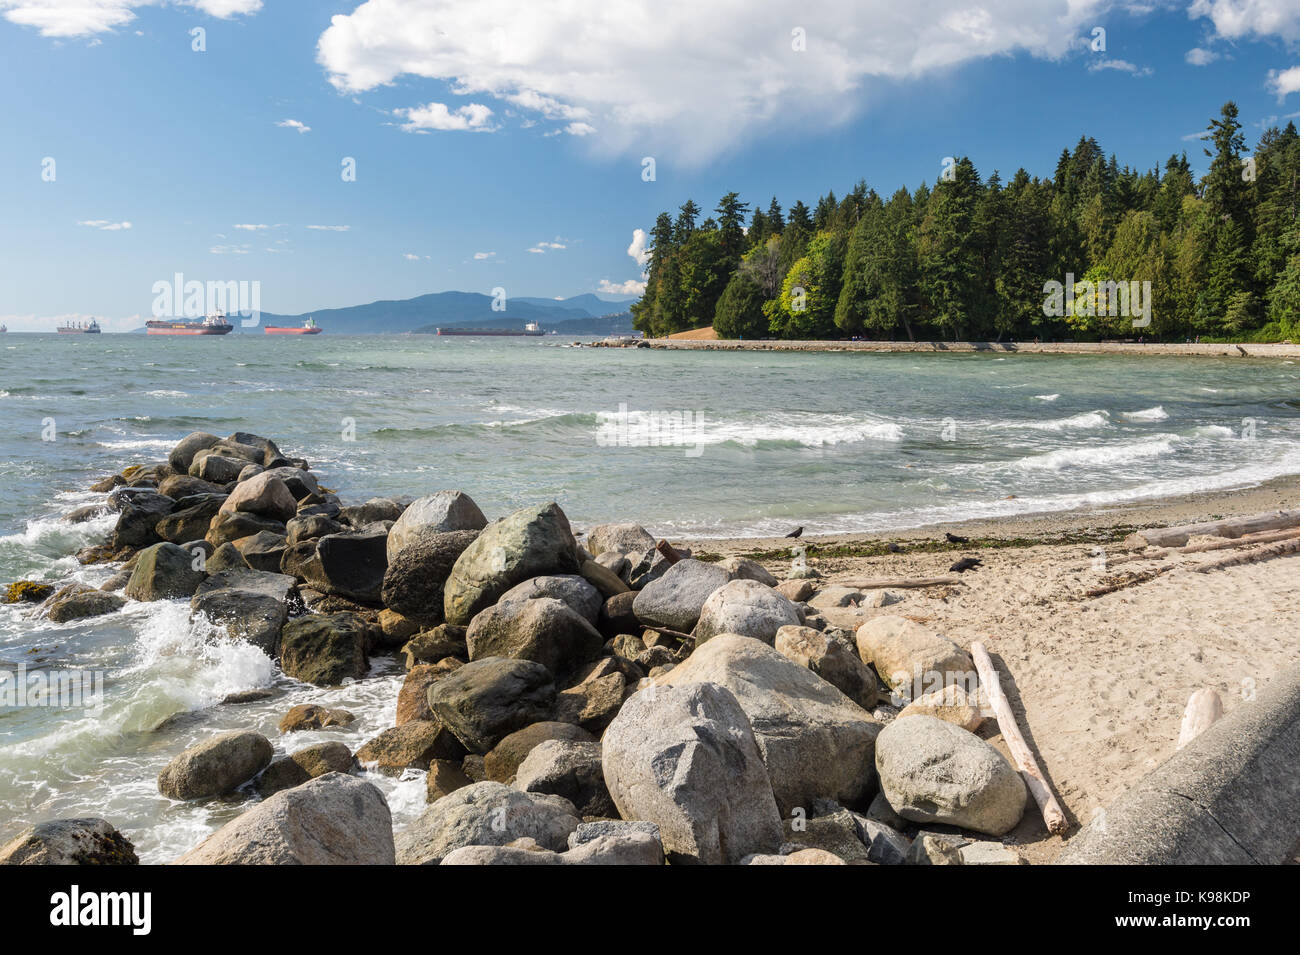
(1271, 350)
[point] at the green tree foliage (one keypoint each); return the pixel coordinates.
(972, 258)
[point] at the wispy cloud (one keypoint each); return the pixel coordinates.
(542, 247)
(330, 228)
(480, 256)
(104, 225)
(294, 124)
(1122, 66)
(251, 227)
(1199, 56)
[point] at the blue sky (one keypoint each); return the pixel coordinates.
(483, 129)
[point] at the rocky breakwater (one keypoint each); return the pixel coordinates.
(571, 699)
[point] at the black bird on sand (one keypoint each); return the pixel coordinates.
(796, 532)
(954, 539)
(965, 564)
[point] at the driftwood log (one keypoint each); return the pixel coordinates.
(1232, 527)
(1053, 815)
(902, 583)
(1281, 549)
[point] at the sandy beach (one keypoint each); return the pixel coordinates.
(1099, 684)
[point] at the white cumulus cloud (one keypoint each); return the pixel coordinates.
(630, 287)
(694, 78)
(474, 117)
(294, 124)
(67, 18)
(1284, 82)
(1199, 56)
(638, 247)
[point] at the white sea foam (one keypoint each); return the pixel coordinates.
(1099, 456)
(1147, 414)
(1047, 397)
(1089, 419)
(810, 430)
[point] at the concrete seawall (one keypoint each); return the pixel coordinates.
(1275, 350)
(1230, 797)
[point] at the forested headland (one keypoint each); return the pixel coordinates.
(971, 258)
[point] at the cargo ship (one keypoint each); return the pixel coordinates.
(532, 328)
(308, 327)
(80, 328)
(211, 325)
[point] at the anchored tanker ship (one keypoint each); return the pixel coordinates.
(80, 328)
(309, 327)
(532, 328)
(211, 325)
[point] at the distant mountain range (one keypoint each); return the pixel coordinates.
(580, 315)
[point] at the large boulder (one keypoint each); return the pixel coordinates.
(742, 568)
(530, 542)
(263, 494)
(543, 629)
(164, 571)
(191, 519)
(88, 841)
(503, 761)
(932, 771)
(300, 481)
(263, 551)
(676, 599)
(310, 527)
(619, 538)
(486, 700)
(435, 513)
(413, 745)
(307, 763)
(685, 758)
(486, 814)
(137, 515)
(182, 456)
(569, 769)
(78, 601)
(831, 660)
(413, 581)
(745, 607)
(910, 659)
(350, 565)
(231, 526)
(217, 465)
(325, 649)
(181, 486)
(215, 766)
(252, 605)
(574, 590)
(815, 741)
(334, 819)
(377, 510)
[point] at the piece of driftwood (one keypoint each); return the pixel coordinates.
(1203, 708)
(1268, 552)
(1232, 527)
(1264, 537)
(669, 552)
(1053, 814)
(902, 583)
(1138, 578)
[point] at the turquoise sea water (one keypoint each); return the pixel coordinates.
(835, 442)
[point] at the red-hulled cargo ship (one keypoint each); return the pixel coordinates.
(211, 325)
(308, 327)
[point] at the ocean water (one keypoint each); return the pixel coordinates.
(688, 443)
